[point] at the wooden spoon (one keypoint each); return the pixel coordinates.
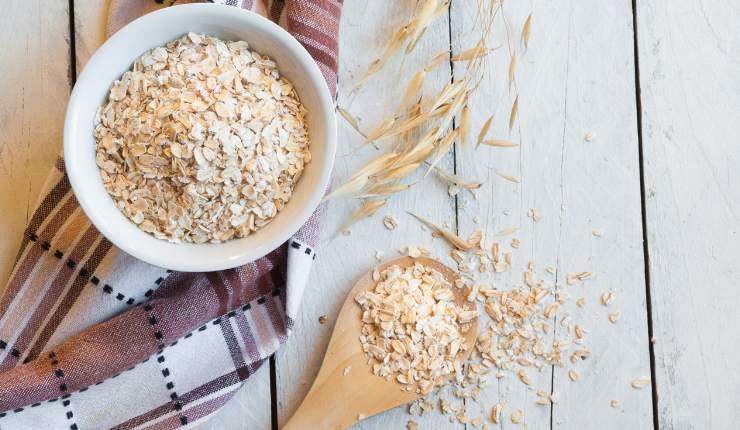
(336, 400)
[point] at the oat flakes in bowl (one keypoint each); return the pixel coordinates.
(117, 55)
(201, 141)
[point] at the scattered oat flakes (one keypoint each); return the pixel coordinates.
(571, 278)
(346, 370)
(580, 353)
(613, 317)
(524, 377)
(581, 302)
(588, 137)
(579, 331)
(412, 425)
(614, 403)
(517, 416)
(390, 222)
(518, 336)
(640, 382)
(361, 417)
(596, 232)
(532, 213)
(201, 141)
(550, 310)
(496, 412)
(653, 339)
(607, 297)
(322, 319)
(574, 375)
(543, 401)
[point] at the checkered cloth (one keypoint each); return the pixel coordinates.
(92, 338)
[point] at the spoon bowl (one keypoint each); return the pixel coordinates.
(337, 400)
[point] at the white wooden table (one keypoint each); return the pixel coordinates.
(657, 86)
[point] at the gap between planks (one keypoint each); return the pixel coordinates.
(643, 207)
(72, 48)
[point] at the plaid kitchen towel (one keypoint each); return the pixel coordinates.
(92, 338)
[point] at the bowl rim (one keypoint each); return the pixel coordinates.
(249, 252)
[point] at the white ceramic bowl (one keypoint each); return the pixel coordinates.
(118, 54)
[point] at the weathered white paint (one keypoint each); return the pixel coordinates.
(689, 61)
(366, 27)
(577, 77)
(567, 87)
(33, 92)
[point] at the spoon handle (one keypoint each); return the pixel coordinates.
(336, 400)
(346, 391)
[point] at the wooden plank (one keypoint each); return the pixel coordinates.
(566, 88)
(249, 409)
(366, 28)
(35, 86)
(90, 29)
(689, 56)
(251, 406)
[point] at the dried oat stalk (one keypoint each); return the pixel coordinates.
(424, 128)
(449, 236)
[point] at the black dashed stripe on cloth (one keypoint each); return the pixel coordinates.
(44, 209)
(66, 403)
(289, 323)
(165, 371)
(65, 395)
(153, 322)
(14, 352)
(68, 395)
(84, 272)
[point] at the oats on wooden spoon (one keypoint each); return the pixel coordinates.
(413, 311)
